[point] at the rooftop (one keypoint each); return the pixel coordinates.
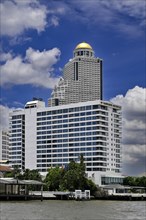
(83, 45)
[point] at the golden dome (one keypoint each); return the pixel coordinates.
(83, 45)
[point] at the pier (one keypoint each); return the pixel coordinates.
(79, 195)
(120, 192)
(13, 189)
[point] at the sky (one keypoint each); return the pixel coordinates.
(38, 38)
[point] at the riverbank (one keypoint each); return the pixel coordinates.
(47, 195)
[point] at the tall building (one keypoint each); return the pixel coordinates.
(82, 78)
(20, 132)
(44, 137)
(77, 122)
(4, 145)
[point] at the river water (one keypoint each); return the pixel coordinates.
(73, 210)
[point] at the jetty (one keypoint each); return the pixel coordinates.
(121, 192)
(14, 189)
(64, 195)
(79, 195)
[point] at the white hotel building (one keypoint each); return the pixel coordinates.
(43, 137)
(77, 122)
(4, 145)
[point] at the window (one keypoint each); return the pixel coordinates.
(88, 107)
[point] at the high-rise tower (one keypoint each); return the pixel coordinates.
(82, 78)
(77, 122)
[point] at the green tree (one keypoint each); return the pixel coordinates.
(15, 173)
(129, 180)
(82, 174)
(71, 177)
(90, 185)
(54, 178)
(26, 174)
(141, 181)
(75, 177)
(135, 181)
(32, 175)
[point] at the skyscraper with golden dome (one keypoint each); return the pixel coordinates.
(82, 78)
(77, 122)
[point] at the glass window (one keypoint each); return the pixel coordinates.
(76, 114)
(76, 109)
(82, 109)
(60, 111)
(82, 119)
(71, 109)
(65, 110)
(82, 113)
(49, 113)
(82, 124)
(88, 107)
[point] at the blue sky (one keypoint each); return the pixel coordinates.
(38, 39)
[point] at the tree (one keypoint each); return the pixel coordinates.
(135, 181)
(26, 174)
(75, 177)
(90, 185)
(82, 178)
(15, 173)
(142, 181)
(32, 175)
(71, 178)
(129, 180)
(54, 178)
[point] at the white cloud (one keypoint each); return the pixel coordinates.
(17, 16)
(15, 40)
(5, 56)
(4, 117)
(133, 8)
(134, 129)
(125, 16)
(36, 68)
(54, 21)
(133, 103)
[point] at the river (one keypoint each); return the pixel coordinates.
(73, 210)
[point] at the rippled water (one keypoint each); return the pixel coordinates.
(73, 210)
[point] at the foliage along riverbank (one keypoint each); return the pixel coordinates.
(70, 178)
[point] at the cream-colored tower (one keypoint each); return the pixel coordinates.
(82, 78)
